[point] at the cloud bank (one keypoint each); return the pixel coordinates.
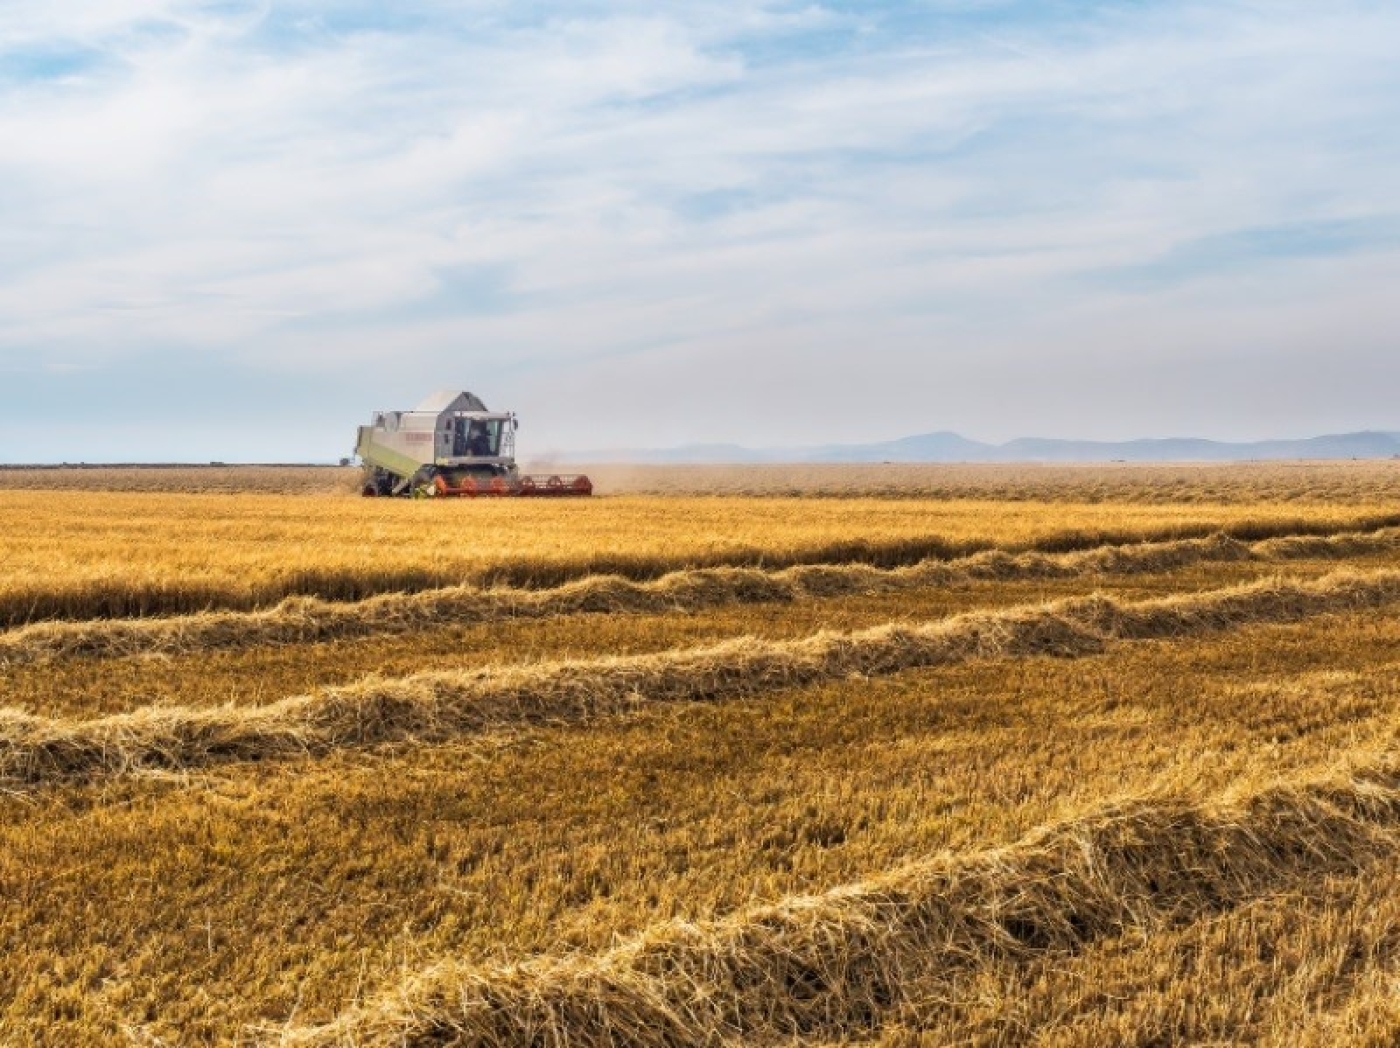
(232, 229)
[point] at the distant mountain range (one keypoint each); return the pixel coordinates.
(950, 447)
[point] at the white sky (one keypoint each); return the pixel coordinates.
(231, 230)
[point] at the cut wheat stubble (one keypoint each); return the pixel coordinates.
(833, 964)
(300, 620)
(441, 705)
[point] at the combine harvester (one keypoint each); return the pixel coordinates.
(451, 446)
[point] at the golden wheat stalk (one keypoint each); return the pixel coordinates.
(309, 619)
(440, 705)
(835, 962)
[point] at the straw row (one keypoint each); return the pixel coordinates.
(834, 965)
(441, 705)
(121, 596)
(309, 619)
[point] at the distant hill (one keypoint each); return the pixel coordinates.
(950, 447)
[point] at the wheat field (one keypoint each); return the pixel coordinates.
(950, 756)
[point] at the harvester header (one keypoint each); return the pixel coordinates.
(451, 445)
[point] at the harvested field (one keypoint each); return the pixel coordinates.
(1162, 484)
(1067, 756)
(83, 555)
(306, 619)
(212, 479)
(436, 706)
(1134, 483)
(825, 964)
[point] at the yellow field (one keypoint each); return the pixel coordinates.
(1058, 766)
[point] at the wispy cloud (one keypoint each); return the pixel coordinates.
(1252, 250)
(744, 220)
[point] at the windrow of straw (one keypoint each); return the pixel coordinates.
(309, 619)
(837, 963)
(445, 704)
(121, 597)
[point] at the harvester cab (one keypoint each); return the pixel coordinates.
(451, 445)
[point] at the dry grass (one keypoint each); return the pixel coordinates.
(858, 771)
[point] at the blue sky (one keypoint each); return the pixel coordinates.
(231, 230)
